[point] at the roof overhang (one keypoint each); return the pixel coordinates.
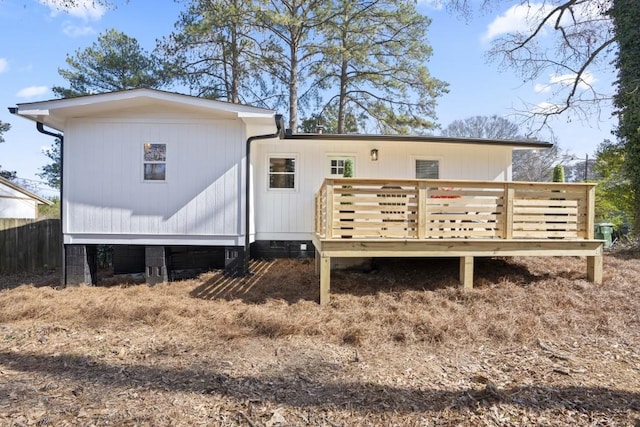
(55, 113)
(524, 144)
(28, 194)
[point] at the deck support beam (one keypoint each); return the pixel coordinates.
(594, 269)
(466, 272)
(465, 249)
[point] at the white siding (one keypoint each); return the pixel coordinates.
(105, 196)
(287, 214)
(14, 204)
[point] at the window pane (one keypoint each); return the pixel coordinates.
(282, 181)
(154, 171)
(427, 169)
(155, 152)
(282, 165)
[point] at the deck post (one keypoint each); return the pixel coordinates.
(316, 263)
(422, 209)
(594, 269)
(509, 195)
(466, 272)
(325, 279)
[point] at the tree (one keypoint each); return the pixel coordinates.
(490, 127)
(565, 39)
(215, 50)
(4, 127)
(374, 55)
(51, 172)
(626, 18)
(614, 195)
(114, 62)
(528, 165)
(294, 46)
(328, 120)
(10, 175)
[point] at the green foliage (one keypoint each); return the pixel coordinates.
(626, 16)
(50, 212)
(328, 119)
(51, 172)
(348, 169)
(614, 194)
(216, 50)
(114, 62)
(10, 175)
(374, 62)
(558, 173)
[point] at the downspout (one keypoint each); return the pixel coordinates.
(41, 129)
(247, 193)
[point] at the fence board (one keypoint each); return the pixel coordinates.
(29, 245)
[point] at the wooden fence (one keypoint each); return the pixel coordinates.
(29, 245)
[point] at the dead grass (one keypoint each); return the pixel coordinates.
(533, 344)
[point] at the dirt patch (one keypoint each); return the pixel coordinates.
(533, 344)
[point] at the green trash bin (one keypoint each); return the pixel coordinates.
(604, 231)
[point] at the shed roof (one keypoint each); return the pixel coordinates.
(27, 193)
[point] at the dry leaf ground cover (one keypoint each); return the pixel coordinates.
(533, 344)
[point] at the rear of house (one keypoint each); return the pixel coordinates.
(177, 182)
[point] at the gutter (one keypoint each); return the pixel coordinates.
(41, 129)
(247, 194)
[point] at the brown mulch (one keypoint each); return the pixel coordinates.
(401, 344)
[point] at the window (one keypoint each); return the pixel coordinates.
(336, 165)
(282, 173)
(427, 169)
(155, 162)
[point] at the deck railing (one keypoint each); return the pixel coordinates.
(452, 209)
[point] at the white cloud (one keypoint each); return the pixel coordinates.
(586, 80)
(564, 80)
(77, 30)
(31, 91)
(88, 10)
(516, 19)
(4, 65)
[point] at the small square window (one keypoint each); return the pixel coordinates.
(282, 173)
(427, 169)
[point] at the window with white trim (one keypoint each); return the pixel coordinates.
(282, 173)
(427, 169)
(336, 165)
(154, 167)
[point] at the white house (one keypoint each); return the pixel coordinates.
(163, 177)
(18, 203)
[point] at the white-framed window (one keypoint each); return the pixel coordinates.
(427, 168)
(282, 172)
(154, 162)
(336, 165)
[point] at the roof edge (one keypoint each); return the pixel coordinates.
(420, 138)
(24, 191)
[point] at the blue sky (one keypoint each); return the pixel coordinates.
(37, 38)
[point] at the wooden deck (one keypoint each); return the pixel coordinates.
(466, 219)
